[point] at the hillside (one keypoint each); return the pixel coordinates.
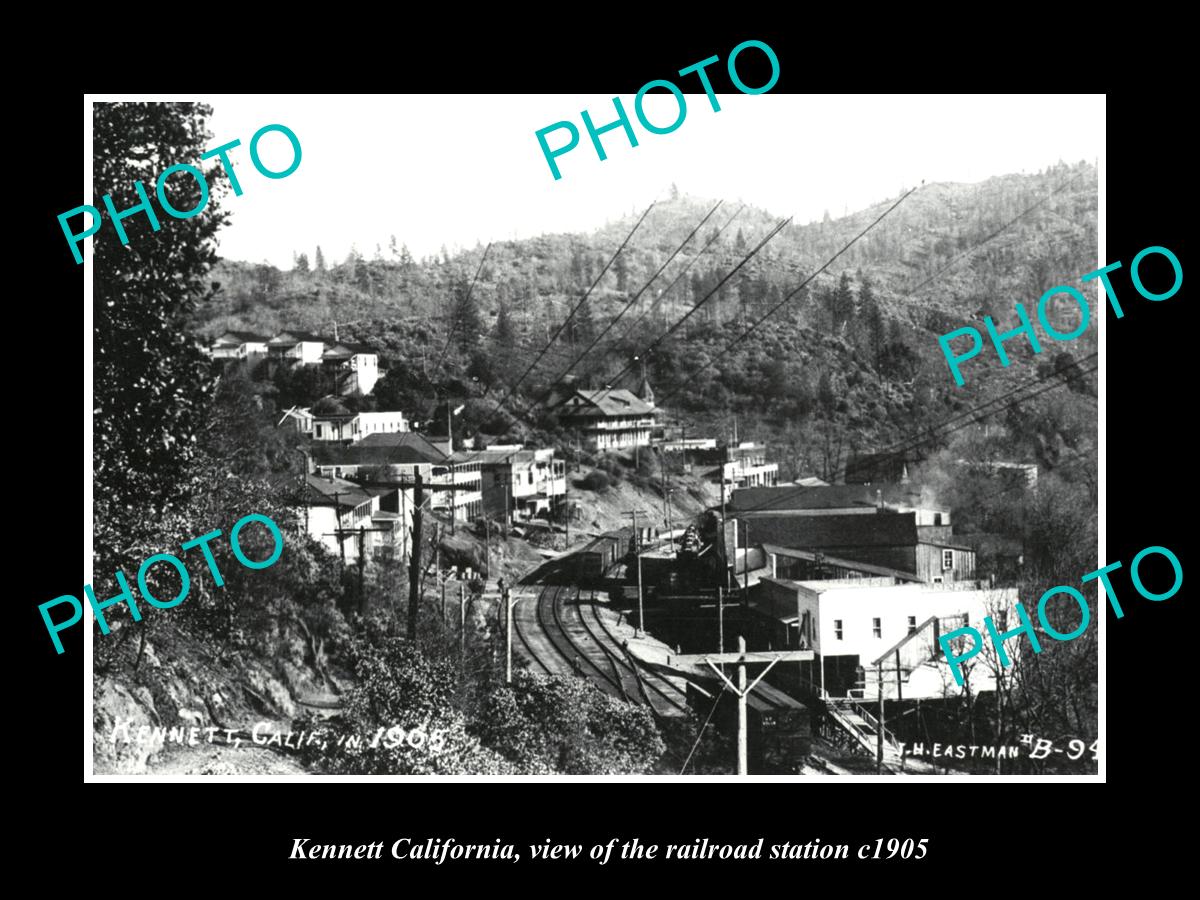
(849, 363)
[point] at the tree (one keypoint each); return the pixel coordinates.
(739, 242)
(621, 266)
(871, 318)
(467, 321)
(566, 726)
(319, 259)
(151, 381)
(302, 263)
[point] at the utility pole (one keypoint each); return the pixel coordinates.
(337, 514)
(437, 566)
(508, 627)
(362, 562)
(879, 736)
(637, 550)
(487, 548)
(462, 621)
(721, 536)
(746, 566)
(720, 620)
(414, 571)
(741, 690)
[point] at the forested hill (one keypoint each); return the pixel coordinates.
(851, 361)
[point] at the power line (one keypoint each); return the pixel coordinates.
(691, 312)
(626, 308)
(793, 293)
(954, 260)
(913, 443)
(565, 321)
(658, 300)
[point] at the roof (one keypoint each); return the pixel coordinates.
(396, 448)
(418, 442)
(495, 457)
(344, 350)
(240, 337)
(883, 529)
(619, 402)
(295, 337)
(322, 491)
(835, 496)
(841, 563)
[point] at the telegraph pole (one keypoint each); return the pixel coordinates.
(721, 539)
(637, 550)
(337, 514)
(742, 690)
(462, 621)
(508, 627)
(414, 571)
(720, 620)
(879, 736)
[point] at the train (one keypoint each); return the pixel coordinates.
(779, 729)
(593, 560)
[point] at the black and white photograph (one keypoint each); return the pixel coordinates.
(508, 436)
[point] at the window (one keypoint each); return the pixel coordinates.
(937, 518)
(837, 629)
(912, 624)
(937, 579)
(947, 560)
(877, 628)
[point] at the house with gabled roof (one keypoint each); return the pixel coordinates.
(238, 345)
(295, 346)
(610, 419)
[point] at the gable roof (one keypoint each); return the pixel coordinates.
(397, 448)
(241, 337)
(295, 337)
(344, 350)
(607, 403)
(328, 491)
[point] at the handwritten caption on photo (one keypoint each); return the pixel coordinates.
(263, 735)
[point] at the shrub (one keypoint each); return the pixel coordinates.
(595, 480)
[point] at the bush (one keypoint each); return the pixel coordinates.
(595, 480)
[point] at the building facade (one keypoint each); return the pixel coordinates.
(609, 419)
(851, 624)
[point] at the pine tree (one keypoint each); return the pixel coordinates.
(621, 266)
(739, 243)
(872, 320)
(468, 323)
(302, 263)
(319, 260)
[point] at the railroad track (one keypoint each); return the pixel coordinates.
(657, 691)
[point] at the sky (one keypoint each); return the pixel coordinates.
(458, 170)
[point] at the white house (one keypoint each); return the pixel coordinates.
(296, 346)
(238, 345)
(356, 368)
(852, 623)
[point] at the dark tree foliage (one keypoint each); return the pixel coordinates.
(151, 381)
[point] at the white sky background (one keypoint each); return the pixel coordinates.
(462, 169)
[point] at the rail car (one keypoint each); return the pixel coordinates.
(593, 560)
(779, 731)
